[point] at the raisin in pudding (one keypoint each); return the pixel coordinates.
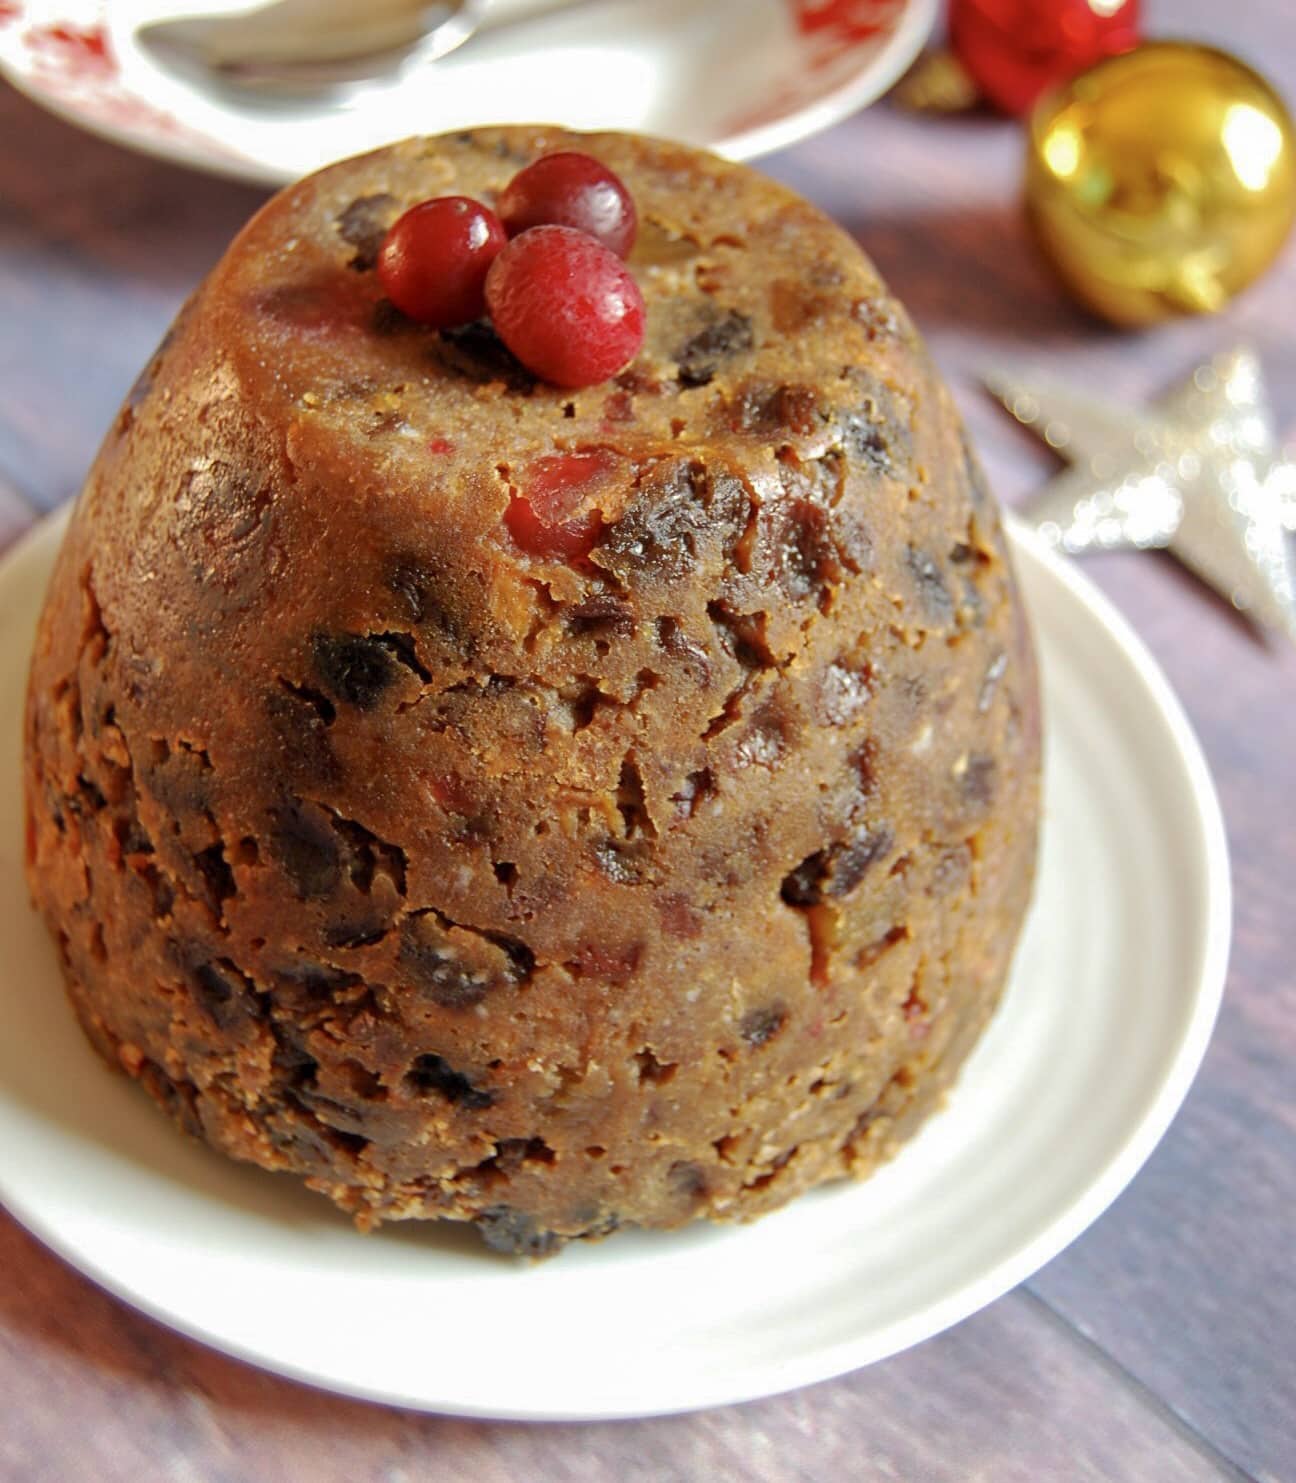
(552, 807)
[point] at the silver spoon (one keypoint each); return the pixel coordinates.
(299, 46)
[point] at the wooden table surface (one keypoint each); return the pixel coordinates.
(1160, 1346)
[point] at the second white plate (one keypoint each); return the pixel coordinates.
(1111, 1003)
(742, 77)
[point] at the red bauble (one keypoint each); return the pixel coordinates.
(1014, 49)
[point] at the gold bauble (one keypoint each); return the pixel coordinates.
(1161, 182)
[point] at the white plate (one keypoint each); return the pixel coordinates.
(742, 77)
(1110, 1006)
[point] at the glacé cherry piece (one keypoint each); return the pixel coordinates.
(541, 519)
(433, 262)
(565, 306)
(570, 189)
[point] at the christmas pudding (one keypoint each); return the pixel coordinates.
(523, 788)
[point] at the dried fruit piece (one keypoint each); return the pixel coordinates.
(542, 517)
(701, 356)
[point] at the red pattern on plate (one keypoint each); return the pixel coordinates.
(837, 29)
(71, 63)
(848, 20)
(80, 51)
(834, 34)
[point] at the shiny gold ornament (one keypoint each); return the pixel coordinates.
(1161, 182)
(937, 83)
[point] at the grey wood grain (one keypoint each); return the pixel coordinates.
(1160, 1345)
(16, 513)
(98, 249)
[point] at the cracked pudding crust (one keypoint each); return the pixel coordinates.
(556, 810)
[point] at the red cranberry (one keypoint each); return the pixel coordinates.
(541, 518)
(433, 261)
(571, 190)
(565, 306)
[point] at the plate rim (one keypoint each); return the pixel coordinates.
(868, 83)
(844, 1356)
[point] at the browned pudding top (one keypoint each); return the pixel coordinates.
(785, 559)
(765, 323)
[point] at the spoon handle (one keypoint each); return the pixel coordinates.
(291, 46)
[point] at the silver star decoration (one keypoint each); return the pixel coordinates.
(1198, 473)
